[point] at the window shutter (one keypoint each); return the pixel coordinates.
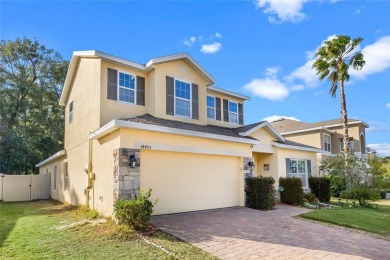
(240, 114)
(288, 173)
(218, 108)
(112, 84)
(195, 102)
(225, 110)
(170, 96)
(309, 168)
(140, 91)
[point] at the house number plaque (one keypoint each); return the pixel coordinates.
(146, 147)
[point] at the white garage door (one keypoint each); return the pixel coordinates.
(188, 182)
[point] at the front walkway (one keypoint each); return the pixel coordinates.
(243, 233)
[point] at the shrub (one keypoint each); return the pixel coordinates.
(320, 187)
(362, 194)
(383, 194)
(310, 197)
(135, 213)
(292, 191)
(260, 192)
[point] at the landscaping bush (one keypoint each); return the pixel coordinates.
(135, 213)
(320, 186)
(260, 192)
(292, 193)
(346, 194)
(310, 197)
(362, 194)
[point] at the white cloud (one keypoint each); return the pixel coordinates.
(378, 129)
(211, 48)
(388, 105)
(377, 57)
(267, 88)
(383, 149)
(218, 35)
(281, 10)
(272, 71)
(357, 12)
(275, 118)
(190, 41)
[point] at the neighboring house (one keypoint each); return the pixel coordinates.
(325, 135)
(162, 125)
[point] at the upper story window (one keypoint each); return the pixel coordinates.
(327, 143)
(182, 98)
(210, 107)
(233, 112)
(351, 146)
(71, 112)
(126, 88)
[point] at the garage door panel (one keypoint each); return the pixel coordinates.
(187, 182)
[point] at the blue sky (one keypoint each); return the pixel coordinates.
(260, 48)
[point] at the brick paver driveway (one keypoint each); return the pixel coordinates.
(242, 233)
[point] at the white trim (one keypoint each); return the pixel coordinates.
(238, 120)
(188, 149)
(330, 142)
(116, 124)
(215, 107)
(349, 123)
(230, 93)
(134, 90)
(263, 148)
(51, 158)
(184, 99)
(294, 147)
(310, 129)
(270, 128)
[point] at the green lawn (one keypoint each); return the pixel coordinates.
(367, 219)
(50, 230)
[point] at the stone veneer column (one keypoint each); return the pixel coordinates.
(126, 179)
(246, 168)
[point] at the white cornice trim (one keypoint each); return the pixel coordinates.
(52, 158)
(349, 123)
(116, 124)
(325, 128)
(229, 93)
(294, 147)
(270, 129)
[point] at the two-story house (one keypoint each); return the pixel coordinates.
(325, 135)
(161, 125)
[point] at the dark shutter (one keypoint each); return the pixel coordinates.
(170, 96)
(195, 102)
(225, 110)
(240, 114)
(140, 91)
(112, 84)
(288, 173)
(218, 109)
(309, 168)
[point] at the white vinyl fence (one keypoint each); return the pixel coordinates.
(24, 187)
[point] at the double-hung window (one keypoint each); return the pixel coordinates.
(298, 169)
(327, 142)
(126, 88)
(210, 107)
(233, 112)
(70, 112)
(182, 98)
(351, 146)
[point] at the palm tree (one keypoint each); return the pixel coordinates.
(333, 60)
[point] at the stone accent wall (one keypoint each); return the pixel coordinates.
(246, 168)
(126, 179)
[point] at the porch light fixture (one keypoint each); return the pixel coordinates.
(252, 165)
(132, 161)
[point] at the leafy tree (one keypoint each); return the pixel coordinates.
(31, 120)
(333, 60)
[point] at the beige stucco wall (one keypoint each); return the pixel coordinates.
(113, 109)
(85, 94)
(58, 193)
(354, 131)
(313, 138)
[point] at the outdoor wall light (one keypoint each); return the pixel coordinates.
(132, 161)
(252, 165)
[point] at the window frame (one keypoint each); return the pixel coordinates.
(70, 112)
(297, 173)
(66, 176)
(351, 146)
(230, 121)
(119, 87)
(330, 143)
(55, 178)
(214, 108)
(175, 97)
